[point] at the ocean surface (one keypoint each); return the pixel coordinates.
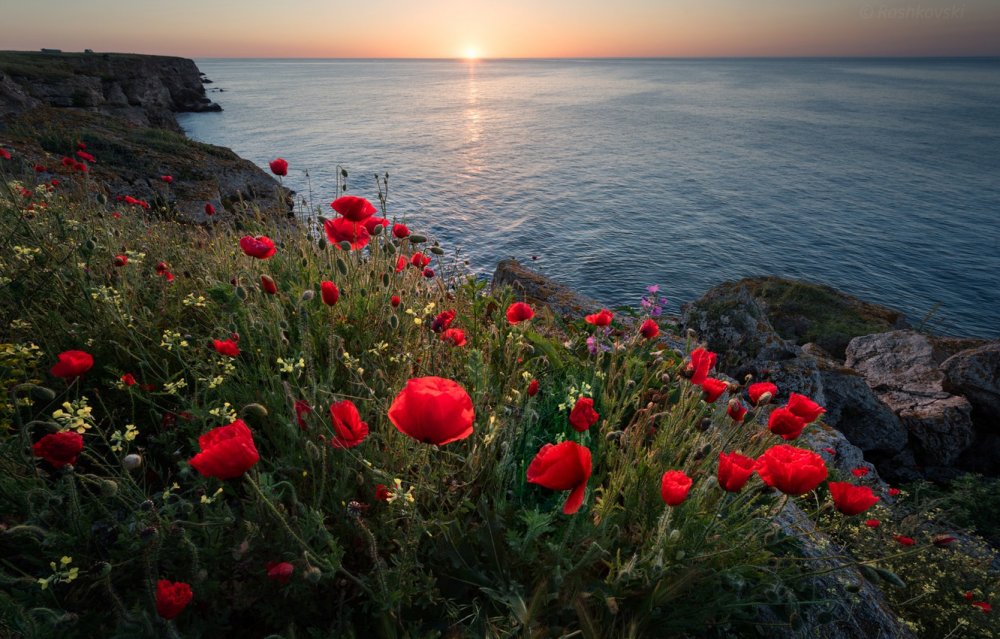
(878, 177)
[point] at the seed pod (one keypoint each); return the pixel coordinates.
(890, 577)
(437, 250)
(35, 391)
(342, 266)
(376, 230)
(241, 292)
(90, 245)
(132, 461)
(385, 280)
(393, 322)
(390, 248)
(313, 574)
(417, 239)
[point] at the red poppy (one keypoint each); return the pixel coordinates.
(785, 423)
(72, 364)
(601, 318)
(302, 408)
(373, 222)
(226, 347)
(443, 321)
(943, 540)
(712, 388)
(860, 472)
(736, 410)
(674, 487)
(757, 391)
(982, 605)
(894, 491)
(226, 452)
(260, 247)
(59, 449)
(433, 410)
(649, 329)
(5, 154)
(81, 167)
(128, 379)
(969, 596)
(120, 260)
(80, 145)
(428, 272)
(873, 523)
(279, 571)
(420, 260)
(209, 209)
(702, 362)
(161, 268)
(401, 263)
(382, 493)
(39, 168)
(804, 407)
(454, 336)
(831, 451)
(172, 597)
(169, 179)
(734, 471)
(394, 301)
(347, 425)
(533, 388)
(563, 466)
(329, 292)
(54, 182)
(793, 471)
(903, 540)
(279, 167)
(519, 312)
(400, 230)
(850, 499)
(268, 284)
(353, 208)
(83, 155)
(583, 415)
(342, 229)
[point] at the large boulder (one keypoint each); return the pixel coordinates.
(975, 374)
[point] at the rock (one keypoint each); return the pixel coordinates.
(902, 367)
(975, 374)
(535, 288)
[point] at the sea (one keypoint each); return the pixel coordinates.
(879, 177)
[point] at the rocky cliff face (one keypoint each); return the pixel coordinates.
(143, 90)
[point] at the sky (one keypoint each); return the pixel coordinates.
(506, 28)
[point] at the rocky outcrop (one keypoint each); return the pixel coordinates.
(142, 89)
(975, 374)
(534, 288)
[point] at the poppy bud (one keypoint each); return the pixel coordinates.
(342, 266)
(121, 260)
(307, 295)
(437, 250)
(131, 462)
(345, 245)
(417, 239)
(268, 285)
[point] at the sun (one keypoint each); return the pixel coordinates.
(471, 53)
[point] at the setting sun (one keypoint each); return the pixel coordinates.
(471, 53)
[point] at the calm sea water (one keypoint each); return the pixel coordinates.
(878, 177)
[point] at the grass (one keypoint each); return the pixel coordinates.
(465, 547)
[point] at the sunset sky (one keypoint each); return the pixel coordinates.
(507, 28)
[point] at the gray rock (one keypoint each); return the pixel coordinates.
(975, 374)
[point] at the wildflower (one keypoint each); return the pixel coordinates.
(804, 407)
(454, 336)
(519, 312)
(347, 425)
(120, 260)
(72, 364)
(420, 260)
(860, 472)
(785, 423)
(210, 210)
(761, 392)
(39, 168)
(701, 363)
(59, 449)
(167, 178)
(943, 540)
(226, 347)
(712, 388)
(353, 208)
(873, 523)
(894, 491)
(443, 321)
(904, 540)
(226, 452)
(649, 329)
(428, 272)
(736, 410)
(583, 415)
(832, 452)
(279, 166)
(382, 493)
(260, 247)
(401, 263)
(793, 471)
(268, 284)
(850, 499)
(674, 487)
(734, 471)
(433, 410)
(301, 408)
(128, 379)
(984, 606)
(279, 571)
(329, 293)
(83, 155)
(601, 318)
(172, 597)
(373, 222)
(343, 229)
(400, 231)
(563, 466)
(5, 154)
(533, 388)
(394, 301)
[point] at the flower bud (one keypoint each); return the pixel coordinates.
(254, 410)
(307, 295)
(132, 461)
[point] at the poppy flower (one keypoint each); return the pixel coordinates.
(873, 523)
(519, 312)
(268, 284)
(161, 268)
(734, 471)
(347, 425)
(373, 222)
(562, 466)
(121, 260)
(39, 168)
(301, 408)
(533, 388)
(893, 492)
(454, 336)
(72, 364)
(226, 347)
(601, 318)
(279, 166)
(850, 499)
(433, 410)
(400, 231)
(59, 449)
(583, 415)
(329, 292)
(804, 407)
(420, 260)
(674, 487)
(785, 423)
(226, 452)
(209, 209)
(831, 451)
(757, 391)
(401, 263)
(903, 540)
(81, 167)
(83, 155)
(736, 410)
(342, 229)
(943, 540)
(128, 379)
(353, 208)
(969, 596)
(860, 472)
(712, 388)
(172, 597)
(395, 301)
(5, 154)
(982, 605)
(702, 361)
(279, 571)
(428, 272)
(54, 182)
(649, 329)
(169, 179)
(260, 247)
(793, 471)
(443, 321)
(382, 492)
